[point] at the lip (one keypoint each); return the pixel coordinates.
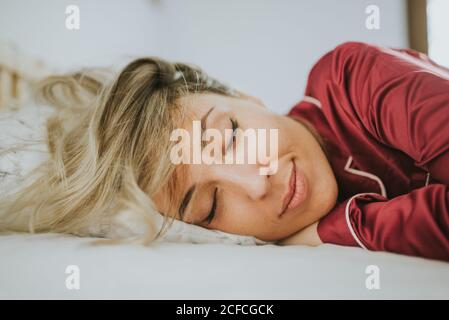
(296, 190)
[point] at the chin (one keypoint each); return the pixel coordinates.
(276, 238)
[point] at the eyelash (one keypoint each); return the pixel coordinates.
(213, 210)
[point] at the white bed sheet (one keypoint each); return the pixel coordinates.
(33, 266)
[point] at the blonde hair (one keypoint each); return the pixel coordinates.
(109, 147)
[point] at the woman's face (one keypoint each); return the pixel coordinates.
(270, 207)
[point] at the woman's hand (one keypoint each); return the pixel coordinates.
(307, 236)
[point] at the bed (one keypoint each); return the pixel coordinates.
(34, 267)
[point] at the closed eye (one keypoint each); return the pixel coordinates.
(230, 144)
(213, 209)
(235, 126)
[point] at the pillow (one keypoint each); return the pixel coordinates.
(25, 128)
(125, 224)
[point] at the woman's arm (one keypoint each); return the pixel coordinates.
(415, 224)
(401, 99)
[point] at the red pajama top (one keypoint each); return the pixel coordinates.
(383, 115)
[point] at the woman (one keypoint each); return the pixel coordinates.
(361, 159)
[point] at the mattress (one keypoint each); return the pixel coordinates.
(38, 267)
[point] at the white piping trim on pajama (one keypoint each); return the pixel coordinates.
(312, 100)
(366, 174)
(427, 179)
(422, 56)
(348, 222)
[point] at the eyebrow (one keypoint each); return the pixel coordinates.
(188, 195)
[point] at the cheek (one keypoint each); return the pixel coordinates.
(245, 217)
(249, 218)
(160, 201)
(302, 144)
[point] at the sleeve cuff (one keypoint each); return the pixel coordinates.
(338, 226)
(333, 228)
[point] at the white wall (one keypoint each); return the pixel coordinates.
(264, 47)
(438, 27)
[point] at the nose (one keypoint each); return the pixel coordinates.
(242, 179)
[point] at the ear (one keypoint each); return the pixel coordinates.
(253, 99)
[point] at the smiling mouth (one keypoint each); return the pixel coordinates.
(296, 192)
